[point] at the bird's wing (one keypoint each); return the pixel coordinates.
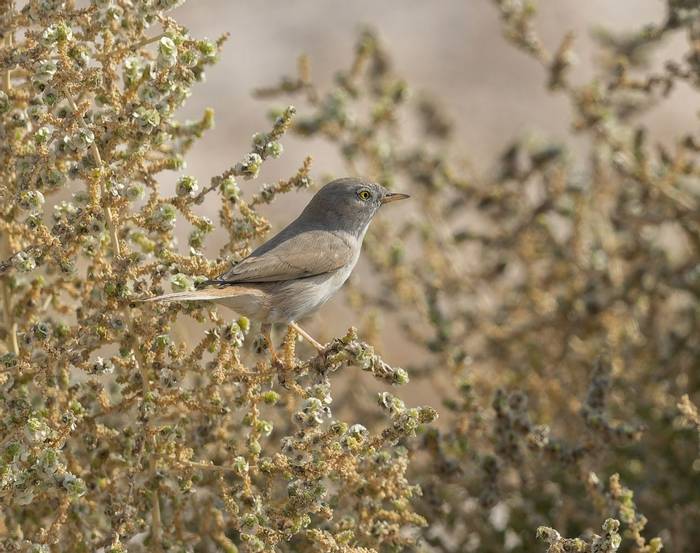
(305, 254)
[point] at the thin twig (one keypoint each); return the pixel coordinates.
(205, 466)
(98, 161)
(7, 77)
(145, 41)
(61, 514)
(137, 45)
(156, 522)
(12, 343)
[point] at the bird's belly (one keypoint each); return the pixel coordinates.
(295, 299)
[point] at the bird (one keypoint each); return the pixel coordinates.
(304, 265)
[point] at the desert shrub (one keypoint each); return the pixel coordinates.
(554, 300)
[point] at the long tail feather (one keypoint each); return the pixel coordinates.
(211, 294)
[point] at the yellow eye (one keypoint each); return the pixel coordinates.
(364, 195)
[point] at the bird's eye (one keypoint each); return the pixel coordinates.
(364, 195)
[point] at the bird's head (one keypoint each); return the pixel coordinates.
(351, 202)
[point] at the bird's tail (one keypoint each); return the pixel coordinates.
(206, 294)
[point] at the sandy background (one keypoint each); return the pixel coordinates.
(453, 49)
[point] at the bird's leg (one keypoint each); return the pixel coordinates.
(317, 345)
(266, 331)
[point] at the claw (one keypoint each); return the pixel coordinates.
(266, 332)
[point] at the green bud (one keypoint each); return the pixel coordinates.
(61, 330)
(548, 535)
(264, 427)
(44, 72)
(23, 262)
(274, 149)
(167, 53)
(76, 486)
(164, 216)
(186, 186)
(161, 342)
(31, 200)
(50, 96)
(167, 47)
(189, 58)
(254, 447)
(240, 465)
(249, 520)
(400, 377)
(611, 525)
(196, 239)
(12, 451)
(53, 178)
(180, 283)
(229, 189)
(81, 140)
(147, 119)
(134, 192)
(250, 166)
(207, 48)
(259, 140)
(41, 135)
(79, 54)
(270, 397)
(59, 32)
(244, 324)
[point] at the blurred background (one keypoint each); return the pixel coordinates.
(453, 50)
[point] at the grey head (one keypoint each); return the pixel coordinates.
(347, 204)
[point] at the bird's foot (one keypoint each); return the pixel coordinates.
(263, 344)
(283, 377)
(318, 346)
(278, 363)
(260, 345)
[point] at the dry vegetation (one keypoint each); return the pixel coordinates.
(555, 302)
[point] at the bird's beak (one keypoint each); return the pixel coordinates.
(394, 197)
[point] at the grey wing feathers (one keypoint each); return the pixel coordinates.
(302, 255)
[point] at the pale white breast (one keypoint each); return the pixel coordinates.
(294, 299)
(333, 283)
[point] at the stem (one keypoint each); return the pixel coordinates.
(61, 515)
(7, 77)
(135, 46)
(12, 343)
(98, 161)
(144, 42)
(156, 521)
(156, 524)
(205, 466)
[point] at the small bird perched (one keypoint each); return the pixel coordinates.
(300, 268)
